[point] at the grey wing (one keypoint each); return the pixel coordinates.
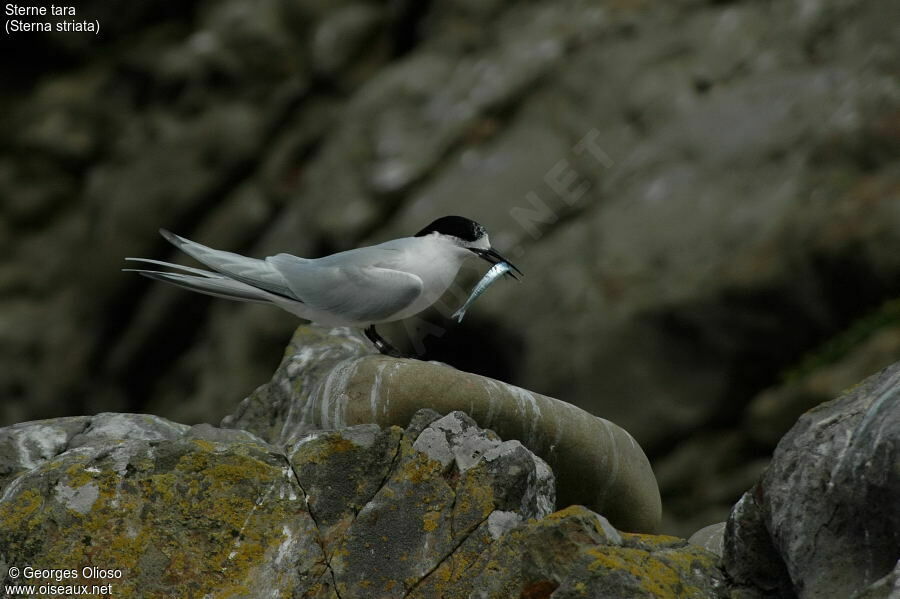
(252, 271)
(359, 293)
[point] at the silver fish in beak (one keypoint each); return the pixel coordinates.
(492, 256)
(497, 270)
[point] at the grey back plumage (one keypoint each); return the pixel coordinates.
(356, 285)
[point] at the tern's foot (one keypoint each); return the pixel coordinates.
(382, 345)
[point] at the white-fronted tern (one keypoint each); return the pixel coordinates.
(357, 288)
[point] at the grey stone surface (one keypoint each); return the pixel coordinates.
(749, 554)
(828, 507)
(711, 538)
(27, 445)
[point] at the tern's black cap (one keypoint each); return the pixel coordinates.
(457, 226)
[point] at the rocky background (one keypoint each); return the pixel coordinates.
(703, 195)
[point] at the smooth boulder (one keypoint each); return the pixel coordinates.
(330, 379)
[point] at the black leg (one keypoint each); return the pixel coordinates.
(381, 344)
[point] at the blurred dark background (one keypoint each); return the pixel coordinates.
(703, 195)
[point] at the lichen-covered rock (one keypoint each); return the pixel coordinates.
(439, 509)
(824, 520)
(178, 511)
(574, 553)
(428, 501)
(328, 379)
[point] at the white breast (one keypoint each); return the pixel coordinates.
(436, 262)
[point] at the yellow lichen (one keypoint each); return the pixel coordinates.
(77, 476)
(320, 450)
(198, 518)
(654, 540)
(204, 445)
(568, 512)
(430, 521)
(652, 573)
(21, 512)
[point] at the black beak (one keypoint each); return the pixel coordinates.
(492, 256)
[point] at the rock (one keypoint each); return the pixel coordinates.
(826, 514)
(178, 511)
(442, 508)
(749, 555)
(429, 503)
(575, 553)
(711, 538)
(25, 446)
(329, 380)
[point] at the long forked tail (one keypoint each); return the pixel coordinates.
(203, 281)
(257, 273)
